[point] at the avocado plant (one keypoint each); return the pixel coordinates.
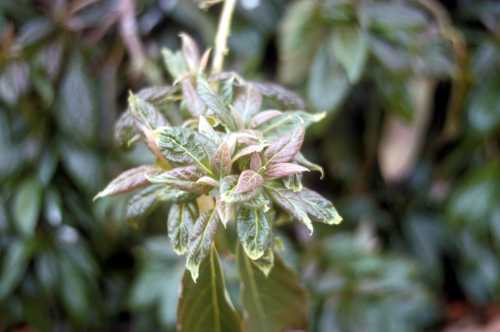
(228, 165)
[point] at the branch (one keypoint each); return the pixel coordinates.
(222, 35)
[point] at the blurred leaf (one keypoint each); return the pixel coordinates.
(271, 303)
(208, 292)
(14, 264)
(350, 47)
(328, 83)
(76, 112)
(483, 108)
(27, 204)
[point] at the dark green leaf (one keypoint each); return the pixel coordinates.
(14, 263)
(27, 204)
(208, 296)
(272, 303)
(350, 47)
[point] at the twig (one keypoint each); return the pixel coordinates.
(222, 36)
(461, 75)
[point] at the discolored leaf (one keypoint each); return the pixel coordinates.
(181, 218)
(143, 202)
(248, 103)
(221, 162)
(318, 208)
(200, 241)
(255, 162)
(247, 150)
(287, 123)
(272, 303)
(125, 129)
(266, 262)
(291, 203)
(194, 104)
(225, 211)
(129, 180)
(284, 169)
(190, 52)
(183, 145)
(228, 191)
(210, 294)
(287, 97)
(215, 103)
(26, 207)
(284, 148)
(145, 114)
(300, 159)
(175, 63)
(263, 117)
(248, 181)
(206, 129)
(254, 231)
(184, 178)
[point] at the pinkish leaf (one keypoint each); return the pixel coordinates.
(184, 178)
(129, 180)
(190, 51)
(248, 181)
(221, 161)
(194, 104)
(255, 162)
(284, 169)
(248, 103)
(248, 150)
(262, 117)
(284, 148)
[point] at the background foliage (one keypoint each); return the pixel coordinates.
(410, 149)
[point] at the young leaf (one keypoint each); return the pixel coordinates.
(284, 148)
(194, 104)
(208, 295)
(350, 47)
(300, 159)
(284, 169)
(263, 117)
(248, 181)
(145, 114)
(175, 63)
(143, 202)
(215, 103)
(319, 208)
(291, 203)
(206, 129)
(287, 123)
(191, 52)
(200, 240)
(228, 191)
(248, 150)
(125, 129)
(274, 303)
(129, 180)
(248, 103)
(181, 218)
(183, 178)
(286, 97)
(221, 161)
(254, 231)
(184, 146)
(225, 211)
(293, 182)
(255, 162)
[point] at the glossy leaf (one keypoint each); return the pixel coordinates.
(208, 294)
(254, 231)
(129, 180)
(200, 241)
(181, 218)
(272, 303)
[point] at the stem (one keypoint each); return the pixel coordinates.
(222, 35)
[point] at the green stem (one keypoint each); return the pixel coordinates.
(222, 35)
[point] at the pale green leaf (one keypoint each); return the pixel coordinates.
(350, 47)
(254, 231)
(181, 218)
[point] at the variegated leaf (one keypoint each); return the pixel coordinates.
(263, 117)
(184, 178)
(287, 123)
(221, 162)
(129, 180)
(215, 103)
(190, 52)
(248, 103)
(247, 150)
(181, 218)
(300, 159)
(200, 241)
(319, 208)
(248, 181)
(254, 232)
(193, 102)
(284, 169)
(284, 148)
(145, 114)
